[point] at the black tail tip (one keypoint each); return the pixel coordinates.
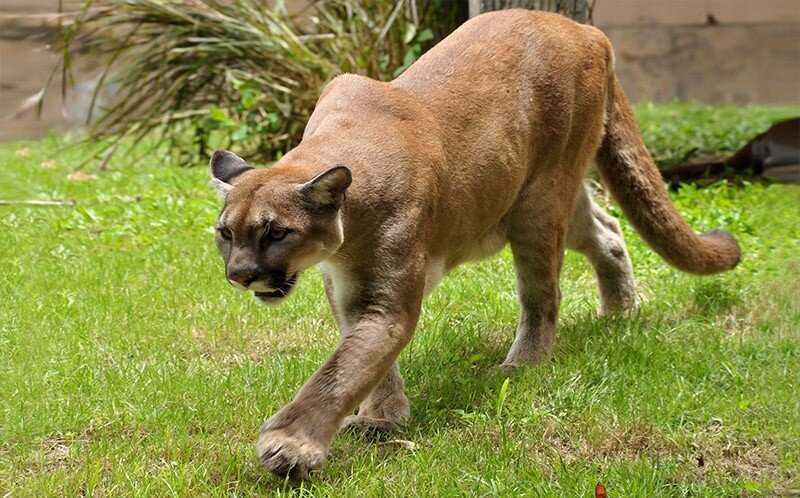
(731, 252)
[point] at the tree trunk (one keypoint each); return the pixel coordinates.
(575, 9)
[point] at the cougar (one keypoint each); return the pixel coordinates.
(483, 142)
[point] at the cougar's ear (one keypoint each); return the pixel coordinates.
(326, 190)
(225, 166)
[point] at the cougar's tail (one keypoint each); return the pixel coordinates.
(630, 174)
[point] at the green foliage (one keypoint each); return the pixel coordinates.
(128, 366)
(217, 72)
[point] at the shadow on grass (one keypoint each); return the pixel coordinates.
(454, 373)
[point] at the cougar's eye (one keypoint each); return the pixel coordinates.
(277, 233)
(226, 233)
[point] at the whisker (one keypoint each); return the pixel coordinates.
(338, 254)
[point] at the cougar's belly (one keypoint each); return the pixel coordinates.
(491, 242)
(488, 244)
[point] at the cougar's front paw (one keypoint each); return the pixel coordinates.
(289, 455)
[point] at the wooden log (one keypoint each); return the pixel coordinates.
(774, 154)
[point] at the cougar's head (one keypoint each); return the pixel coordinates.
(275, 222)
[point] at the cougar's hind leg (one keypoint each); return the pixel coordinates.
(385, 409)
(537, 226)
(595, 234)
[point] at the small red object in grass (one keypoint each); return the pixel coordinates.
(600, 491)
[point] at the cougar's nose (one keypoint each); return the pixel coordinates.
(242, 276)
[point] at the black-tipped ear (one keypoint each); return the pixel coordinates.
(225, 167)
(326, 190)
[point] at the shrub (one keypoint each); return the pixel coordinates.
(193, 71)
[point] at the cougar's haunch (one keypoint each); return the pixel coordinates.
(483, 142)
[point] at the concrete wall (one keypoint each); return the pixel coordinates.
(714, 51)
(26, 26)
(716, 64)
(692, 12)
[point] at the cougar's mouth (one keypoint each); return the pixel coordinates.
(283, 290)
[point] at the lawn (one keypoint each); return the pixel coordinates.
(128, 366)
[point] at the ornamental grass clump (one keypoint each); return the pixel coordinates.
(200, 73)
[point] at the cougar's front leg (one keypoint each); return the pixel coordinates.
(387, 407)
(296, 439)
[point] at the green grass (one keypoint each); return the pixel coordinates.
(128, 366)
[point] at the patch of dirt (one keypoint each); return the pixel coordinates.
(712, 450)
(614, 443)
(55, 452)
(738, 455)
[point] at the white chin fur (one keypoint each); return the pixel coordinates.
(269, 301)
